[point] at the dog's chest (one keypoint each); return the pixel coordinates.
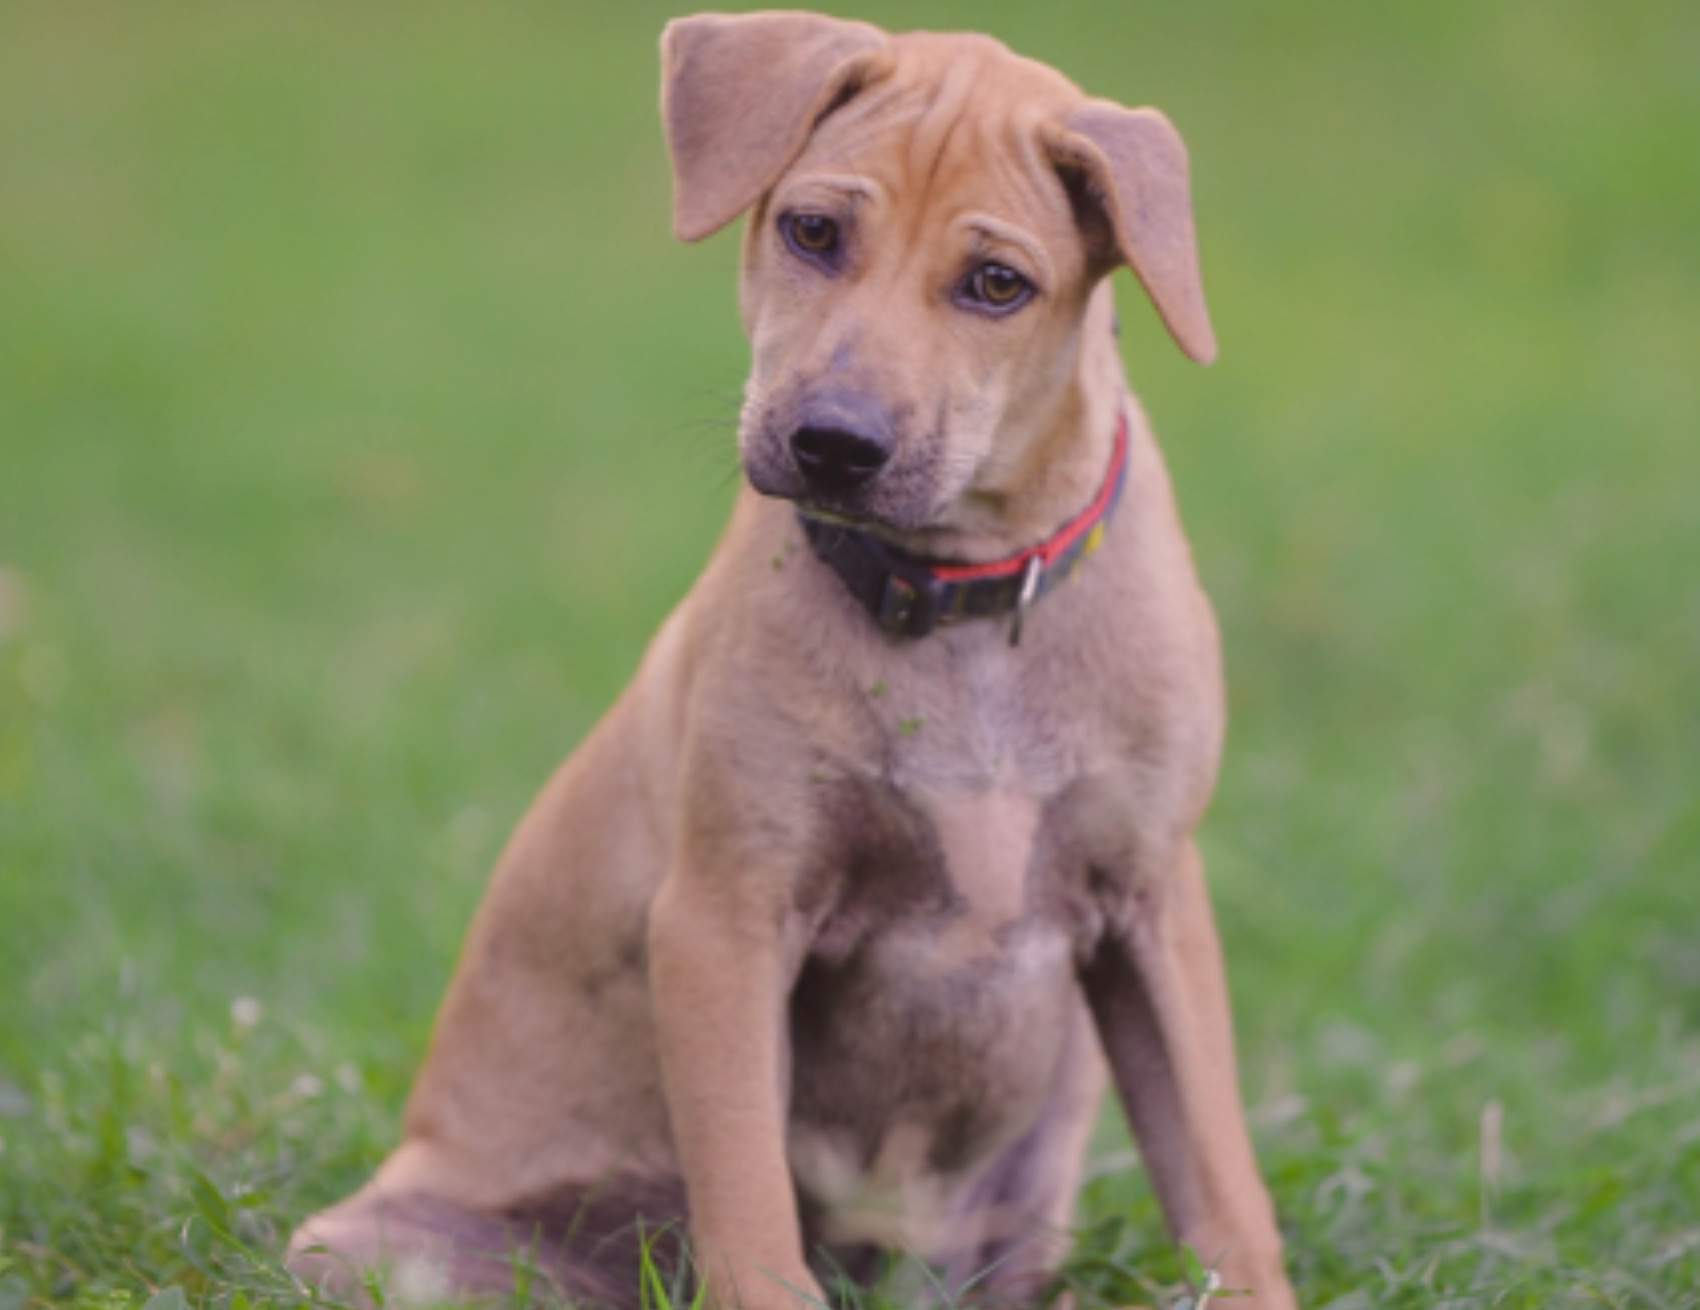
(949, 850)
(931, 1013)
(950, 906)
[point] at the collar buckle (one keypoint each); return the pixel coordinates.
(897, 603)
(908, 605)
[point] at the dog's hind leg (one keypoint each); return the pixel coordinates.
(586, 1247)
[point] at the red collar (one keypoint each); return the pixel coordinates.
(909, 596)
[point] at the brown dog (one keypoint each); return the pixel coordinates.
(819, 941)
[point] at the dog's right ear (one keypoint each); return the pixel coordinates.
(740, 94)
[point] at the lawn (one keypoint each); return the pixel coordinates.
(359, 420)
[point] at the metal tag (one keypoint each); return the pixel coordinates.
(1024, 598)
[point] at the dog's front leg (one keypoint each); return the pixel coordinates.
(1159, 995)
(720, 979)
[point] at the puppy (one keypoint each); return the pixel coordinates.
(821, 944)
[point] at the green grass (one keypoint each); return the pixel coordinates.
(359, 420)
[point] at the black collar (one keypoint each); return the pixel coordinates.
(909, 597)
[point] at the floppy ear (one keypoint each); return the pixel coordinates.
(740, 94)
(1134, 166)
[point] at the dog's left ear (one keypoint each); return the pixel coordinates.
(1134, 166)
(740, 94)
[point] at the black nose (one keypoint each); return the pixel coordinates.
(834, 460)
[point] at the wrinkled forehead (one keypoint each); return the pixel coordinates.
(956, 122)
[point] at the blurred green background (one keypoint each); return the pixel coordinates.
(360, 419)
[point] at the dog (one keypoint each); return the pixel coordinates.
(826, 941)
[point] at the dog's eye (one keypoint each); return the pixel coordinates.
(813, 236)
(997, 289)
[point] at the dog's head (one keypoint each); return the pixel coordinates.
(929, 215)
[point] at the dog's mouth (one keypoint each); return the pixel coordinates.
(832, 514)
(893, 508)
(862, 522)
